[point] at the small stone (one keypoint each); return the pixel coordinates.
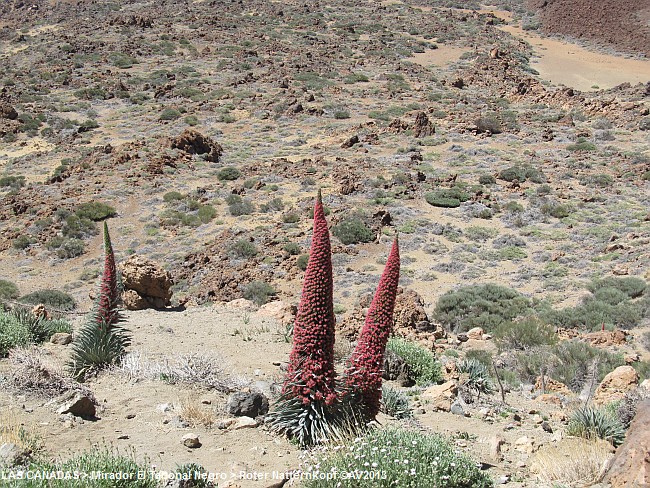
(76, 404)
(61, 338)
(247, 404)
(10, 454)
(503, 479)
(123, 437)
(546, 427)
(130, 416)
(165, 407)
(244, 423)
(495, 448)
(457, 409)
(191, 440)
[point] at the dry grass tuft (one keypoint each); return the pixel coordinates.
(203, 370)
(196, 414)
(577, 462)
(14, 432)
(30, 372)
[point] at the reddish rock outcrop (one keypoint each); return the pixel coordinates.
(146, 284)
(616, 384)
(630, 467)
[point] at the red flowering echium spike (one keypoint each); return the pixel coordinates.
(365, 366)
(311, 375)
(107, 304)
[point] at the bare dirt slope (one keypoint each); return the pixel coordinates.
(622, 24)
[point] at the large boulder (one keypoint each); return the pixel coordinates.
(146, 284)
(631, 464)
(440, 397)
(616, 384)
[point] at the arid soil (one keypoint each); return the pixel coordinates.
(623, 25)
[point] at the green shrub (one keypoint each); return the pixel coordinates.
(228, 174)
(395, 403)
(23, 242)
(12, 333)
(243, 249)
(487, 180)
(573, 363)
(67, 248)
(274, 205)
(172, 196)
(600, 423)
(239, 206)
(259, 292)
(423, 367)
(50, 298)
(20, 327)
(486, 306)
(523, 334)
(14, 182)
(206, 213)
(341, 114)
(522, 173)
(302, 261)
(447, 197)
(121, 60)
(96, 460)
(581, 145)
(173, 218)
(292, 248)
(8, 290)
(169, 114)
(630, 286)
(557, 210)
(78, 228)
(592, 313)
(352, 231)
(95, 211)
(291, 218)
(398, 457)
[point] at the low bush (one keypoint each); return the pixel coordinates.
(422, 364)
(13, 182)
(50, 298)
(524, 334)
(630, 286)
(581, 145)
(352, 231)
(398, 457)
(292, 248)
(243, 249)
(487, 180)
(238, 206)
(8, 290)
(487, 306)
(522, 173)
(228, 174)
(19, 328)
(447, 197)
(259, 292)
(95, 211)
(302, 261)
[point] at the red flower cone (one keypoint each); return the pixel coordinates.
(365, 366)
(107, 304)
(311, 375)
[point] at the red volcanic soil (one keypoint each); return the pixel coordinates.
(622, 24)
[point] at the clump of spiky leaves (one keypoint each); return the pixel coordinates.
(477, 376)
(101, 340)
(395, 403)
(306, 409)
(364, 369)
(599, 423)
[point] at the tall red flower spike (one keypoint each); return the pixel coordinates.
(107, 304)
(365, 366)
(311, 375)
